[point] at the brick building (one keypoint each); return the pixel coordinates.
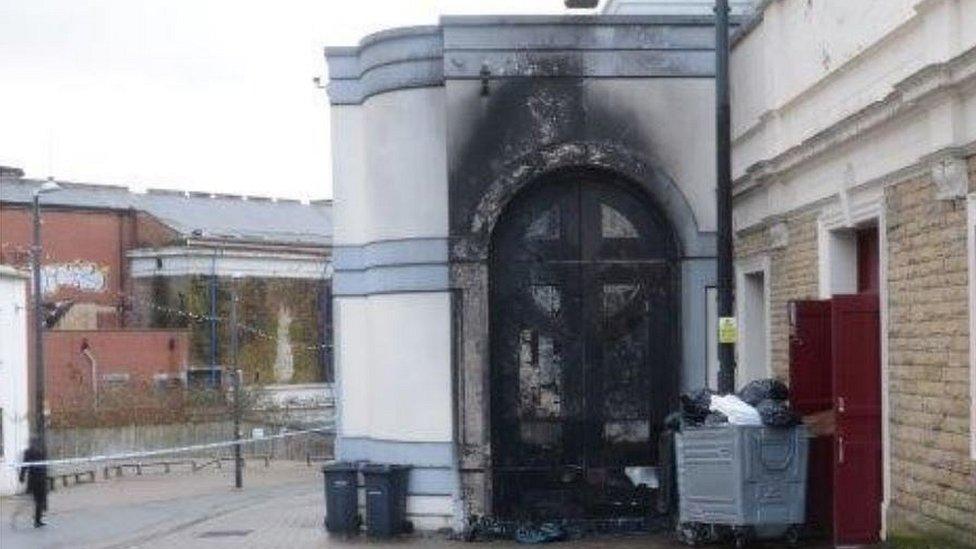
(160, 268)
(854, 165)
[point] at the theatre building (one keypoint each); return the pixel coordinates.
(524, 254)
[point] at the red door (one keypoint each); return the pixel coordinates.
(857, 401)
(811, 395)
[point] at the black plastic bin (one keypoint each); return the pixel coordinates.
(341, 498)
(386, 499)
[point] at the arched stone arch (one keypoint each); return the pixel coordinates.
(524, 170)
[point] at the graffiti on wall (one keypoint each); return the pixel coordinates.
(84, 276)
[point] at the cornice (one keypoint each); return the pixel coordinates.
(918, 91)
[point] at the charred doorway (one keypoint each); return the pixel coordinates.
(584, 346)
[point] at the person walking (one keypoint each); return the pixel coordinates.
(36, 479)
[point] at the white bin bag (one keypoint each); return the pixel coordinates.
(738, 412)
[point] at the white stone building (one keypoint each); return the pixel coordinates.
(560, 166)
(14, 424)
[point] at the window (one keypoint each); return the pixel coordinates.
(971, 243)
(753, 356)
(752, 304)
(115, 381)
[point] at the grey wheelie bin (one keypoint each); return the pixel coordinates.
(386, 499)
(741, 482)
(341, 498)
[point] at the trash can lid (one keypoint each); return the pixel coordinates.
(384, 468)
(340, 467)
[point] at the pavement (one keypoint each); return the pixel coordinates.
(279, 506)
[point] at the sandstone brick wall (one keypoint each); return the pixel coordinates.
(933, 482)
(793, 276)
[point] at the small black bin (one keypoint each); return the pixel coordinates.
(386, 499)
(341, 497)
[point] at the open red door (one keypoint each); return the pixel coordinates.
(812, 396)
(856, 342)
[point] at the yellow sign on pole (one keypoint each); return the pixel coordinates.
(728, 330)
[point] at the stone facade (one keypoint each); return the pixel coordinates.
(793, 276)
(933, 481)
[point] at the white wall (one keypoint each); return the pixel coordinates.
(395, 352)
(895, 92)
(13, 373)
(393, 349)
(406, 164)
(681, 137)
(857, 55)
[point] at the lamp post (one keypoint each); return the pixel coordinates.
(723, 155)
(237, 382)
(37, 255)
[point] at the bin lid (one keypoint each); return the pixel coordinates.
(384, 468)
(340, 467)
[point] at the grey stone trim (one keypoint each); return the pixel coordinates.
(391, 279)
(598, 35)
(433, 472)
(604, 46)
(409, 251)
(576, 20)
(395, 59)
(589, 64)
(392, 266)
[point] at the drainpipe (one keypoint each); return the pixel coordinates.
(93, 367)
(723, 148)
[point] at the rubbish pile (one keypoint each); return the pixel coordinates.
(760, 402)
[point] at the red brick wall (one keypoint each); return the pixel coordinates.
(139, 353)
(78, 239)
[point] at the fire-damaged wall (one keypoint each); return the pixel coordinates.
(441, 130)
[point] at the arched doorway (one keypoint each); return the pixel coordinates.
(584, 289)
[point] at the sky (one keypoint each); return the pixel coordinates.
(200, 95)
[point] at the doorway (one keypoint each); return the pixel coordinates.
(584, 347)
(835, 382)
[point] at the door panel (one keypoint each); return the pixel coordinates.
(856, 343)
(583, 323)
(811, 392)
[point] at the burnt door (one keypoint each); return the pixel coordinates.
(856, 342)
(583, 332)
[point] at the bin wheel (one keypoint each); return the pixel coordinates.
(741, 536)
(688, 534)
(792, 536)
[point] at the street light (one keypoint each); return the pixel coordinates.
(37, 255)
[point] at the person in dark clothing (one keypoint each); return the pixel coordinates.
(36, 480)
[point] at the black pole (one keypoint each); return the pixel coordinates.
(236, 372)
(723, 148)
(213, 321)
(37, 256)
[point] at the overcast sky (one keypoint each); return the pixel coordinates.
(209, 95)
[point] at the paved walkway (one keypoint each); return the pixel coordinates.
(280, 506)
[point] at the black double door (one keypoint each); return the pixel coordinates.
(583, 333)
